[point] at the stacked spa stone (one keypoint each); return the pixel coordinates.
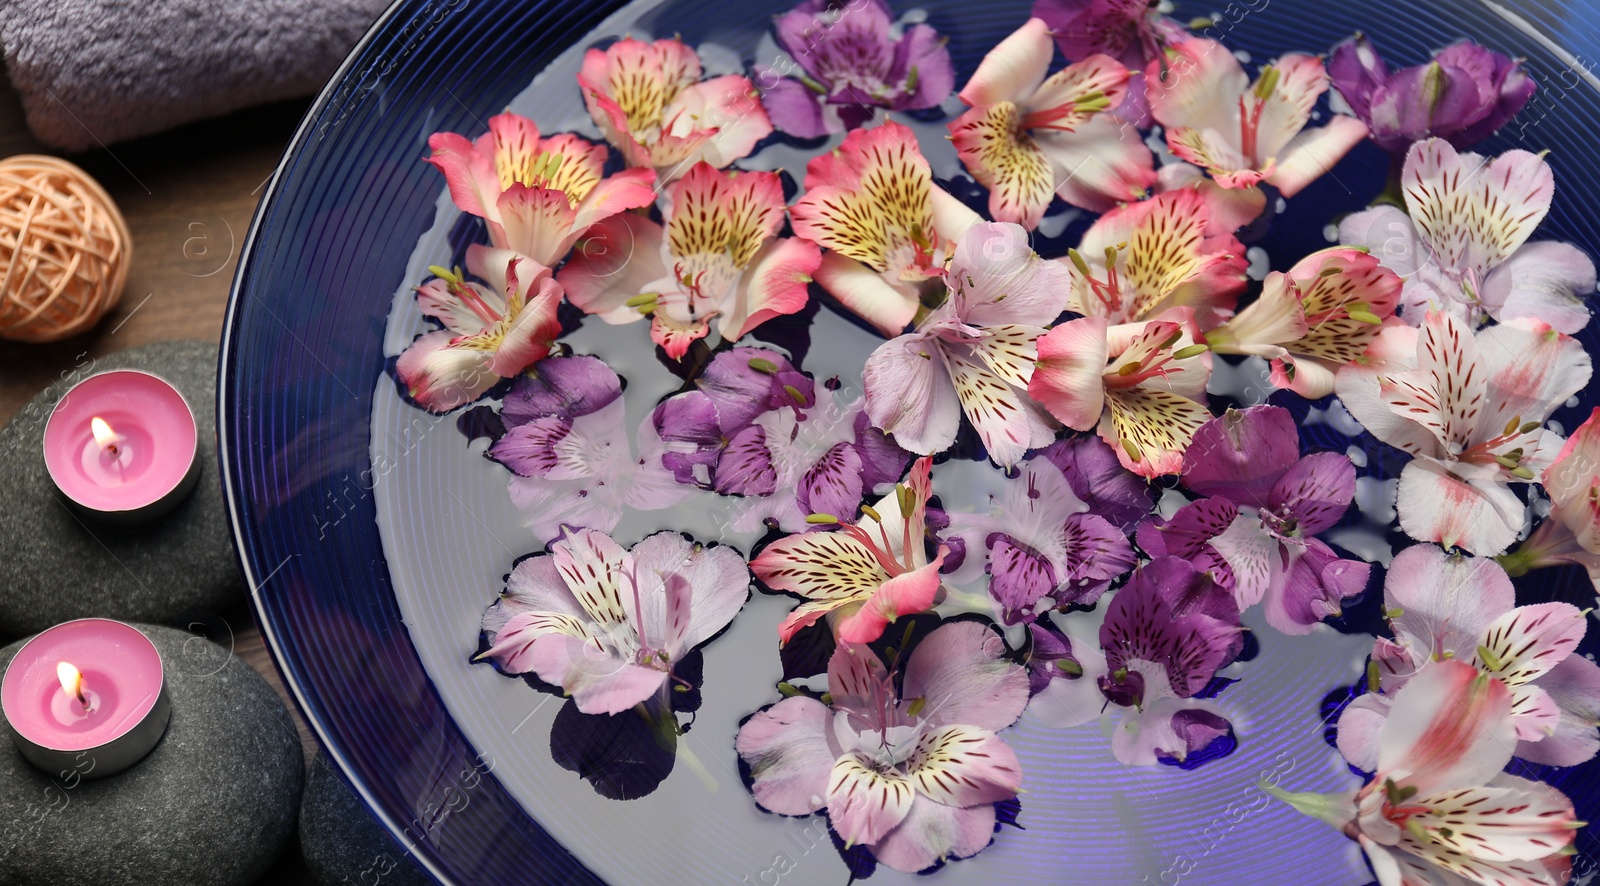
(60, 566)
(341, 841)
(212, 805)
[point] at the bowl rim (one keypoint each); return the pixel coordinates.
(326, 744)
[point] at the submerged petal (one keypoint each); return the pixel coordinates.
(1098, 479)
(563, 387)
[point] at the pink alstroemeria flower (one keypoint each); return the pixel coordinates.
(912, 775)
(1471, 410)
(1571, 534)
(1440, 809)
(872, 203)
(538, 195)
(1141, 386)
(1028, 137)
(1256, 527)
(1039, 544)
(1164, 636)
(607, 625)
(1244, 133)
(1442, 608)
(1140, 260)
(1314, 319)
(974, 353)
(862, 575)
(649, 102)
(1229, 209)
(719, 258)
(1464, 247)
(492, 332)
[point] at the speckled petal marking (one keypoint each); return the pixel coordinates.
(1004, 159)
(1158, 424)
(885, 213)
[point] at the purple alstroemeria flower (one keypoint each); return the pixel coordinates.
(1100, 481)
(566, 386)
(1039, 544)
(851, 62)
(1262, 505)
(735, 388)
(566, 445)
(1131, 31)
(1049, 655)
(913, 775)
(1163, 637)
(1463, 96)
(760, 428)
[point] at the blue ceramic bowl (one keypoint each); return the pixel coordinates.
(308, 405)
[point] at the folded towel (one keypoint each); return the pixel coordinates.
(94, 72)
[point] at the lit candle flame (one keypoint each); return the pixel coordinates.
(103, 435)
(71, 680)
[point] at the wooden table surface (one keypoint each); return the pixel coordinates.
(188, 196)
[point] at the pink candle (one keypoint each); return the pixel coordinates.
(86, 696)
(122, 446)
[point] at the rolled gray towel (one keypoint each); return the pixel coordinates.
(94, 72)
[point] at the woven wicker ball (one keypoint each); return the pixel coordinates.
(64, 249)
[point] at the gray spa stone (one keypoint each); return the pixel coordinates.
(212, 805)
(340, 840)
(59, 566)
